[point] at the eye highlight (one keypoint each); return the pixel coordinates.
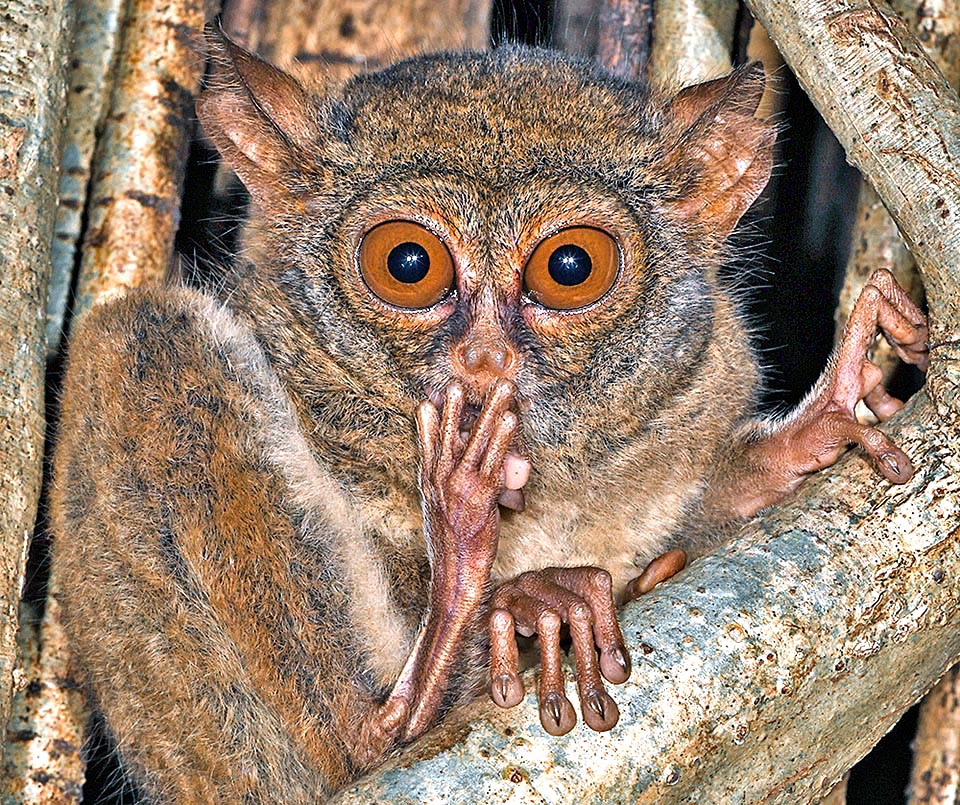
(572, 268)
(405, 264)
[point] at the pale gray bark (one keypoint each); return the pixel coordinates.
(693, 41)
(42, 762)
(33, 52)
(95, 35)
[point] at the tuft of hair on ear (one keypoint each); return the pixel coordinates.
(724, 153)
(258, 116)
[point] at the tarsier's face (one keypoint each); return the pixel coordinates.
(475, 284)
(504, 215)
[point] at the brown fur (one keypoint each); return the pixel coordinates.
(236, 505)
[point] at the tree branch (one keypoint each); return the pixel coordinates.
(624, 36)
(95, 35)
(693, 40)
(32, 91)
(134, 207)
(935, 778)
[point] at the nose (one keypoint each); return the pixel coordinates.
(483, 356)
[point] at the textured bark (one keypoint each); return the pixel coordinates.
(331, 39)
(935, 778)
(625, 36)
(95, 38)
(42, 762)
(693, 40)
(134, 207)
(33, 52)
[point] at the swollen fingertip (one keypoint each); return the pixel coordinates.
(557, 714)
(506, 690)
(600, 711)
(615, 664)
(895, 468)
(516, 471)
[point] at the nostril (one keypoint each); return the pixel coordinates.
(475, 355)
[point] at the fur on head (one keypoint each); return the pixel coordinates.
(491, 152)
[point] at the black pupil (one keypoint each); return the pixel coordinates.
(569, 265)
(408, 262)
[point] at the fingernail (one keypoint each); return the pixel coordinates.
(504, 686)
(595, 701)
(554, 706)
(620, 658)
(891, 464)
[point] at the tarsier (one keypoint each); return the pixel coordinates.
(471, 370)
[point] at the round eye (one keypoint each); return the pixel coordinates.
(405, 264)
(572, 268)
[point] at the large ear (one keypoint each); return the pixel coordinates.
(724, 154)
(256, 114)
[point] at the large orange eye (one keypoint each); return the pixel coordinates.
(405, 264)
(572, 268)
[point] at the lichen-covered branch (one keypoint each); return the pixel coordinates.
(33, 51)
(876, 241)
(42, 761)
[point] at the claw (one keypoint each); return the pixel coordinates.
(554, 706)
(891, 463)
(556, 714)
(504, 686)
(619, 655)
(600, 712)
(595, 703)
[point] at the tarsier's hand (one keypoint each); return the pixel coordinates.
(460, 482)
(851, 376)
(819, 430)
(826, 422)
(542, 602)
